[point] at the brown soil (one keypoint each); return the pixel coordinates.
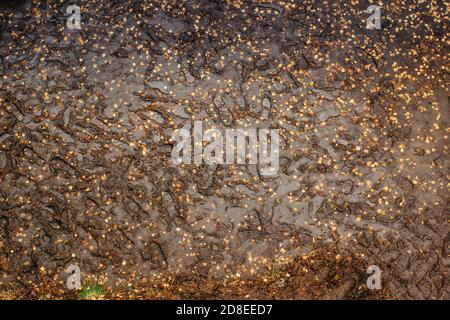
(86, 176)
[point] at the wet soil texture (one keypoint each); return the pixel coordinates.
(87, 116)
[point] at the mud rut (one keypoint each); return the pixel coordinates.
(85, 169)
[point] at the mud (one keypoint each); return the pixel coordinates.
(86, 176)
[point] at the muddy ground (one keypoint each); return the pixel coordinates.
(86, 176)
